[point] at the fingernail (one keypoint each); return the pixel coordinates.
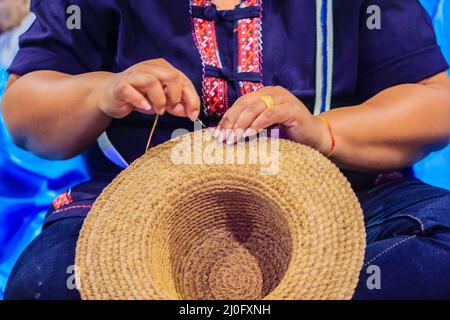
(239, 134)
(146, 105)
(228, 132)
(246, 133)
(194, 115)
(216, 133)
(231, 138)
(221, 137)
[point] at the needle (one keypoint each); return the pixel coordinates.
(155, 123)
(203, 125)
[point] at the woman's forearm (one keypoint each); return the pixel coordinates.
(54, 115)
(394, 129)
(57, 116)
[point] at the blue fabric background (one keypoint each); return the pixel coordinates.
(29, 184)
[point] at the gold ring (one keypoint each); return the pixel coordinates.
(268, 100)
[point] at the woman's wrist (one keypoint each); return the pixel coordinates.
(326, 142)
(99, 97)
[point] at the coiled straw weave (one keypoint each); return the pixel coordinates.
(223, 231)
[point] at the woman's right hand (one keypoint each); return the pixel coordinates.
(150, 87)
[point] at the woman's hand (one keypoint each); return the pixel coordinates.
(153, 86)
(250, 114)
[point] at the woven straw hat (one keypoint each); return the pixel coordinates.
(165, 230)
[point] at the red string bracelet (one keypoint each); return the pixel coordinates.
(330, 130)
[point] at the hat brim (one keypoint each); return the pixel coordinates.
(223, 231)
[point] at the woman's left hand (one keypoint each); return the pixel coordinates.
(250, 114)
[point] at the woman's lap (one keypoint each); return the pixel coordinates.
(408, 242)
(408, 248)
(45, 270)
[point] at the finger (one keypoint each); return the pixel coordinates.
(276, 115)
(229, 119)
(177, 110)
(150, 86)
(190, 100)
(128, 108)
(128, 94)
(247, 117)
(157, 97)
(226, 125)
(178, 89)
(182, 91)
(171, 80)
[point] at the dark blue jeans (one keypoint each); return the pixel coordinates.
(408, 241)
(407, 255)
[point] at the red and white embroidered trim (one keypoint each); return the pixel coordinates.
(62, 200)
(86, 206)
(249, 36)
(215, 95)
(250, 47)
